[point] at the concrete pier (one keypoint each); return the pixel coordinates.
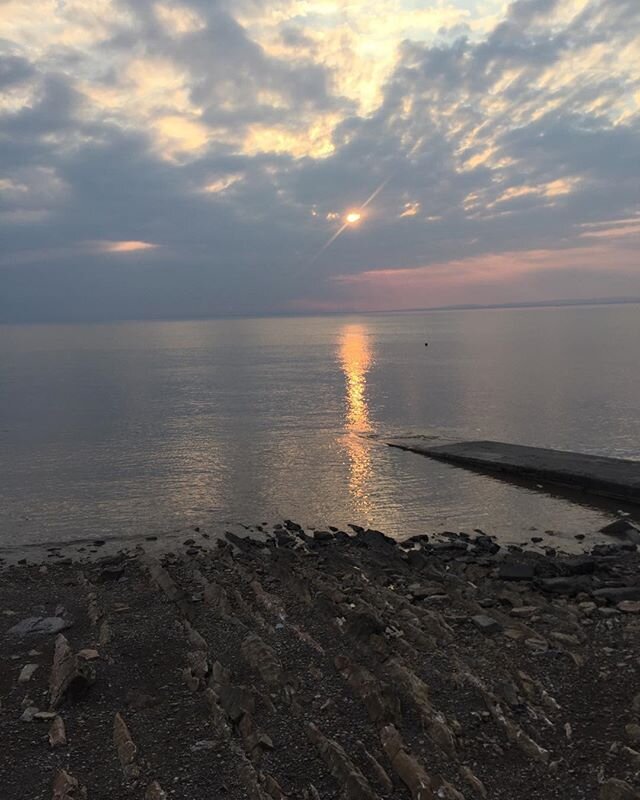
(609, 477)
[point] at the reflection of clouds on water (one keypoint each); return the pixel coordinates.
(356, 359)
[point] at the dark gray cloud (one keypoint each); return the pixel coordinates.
(514, 141)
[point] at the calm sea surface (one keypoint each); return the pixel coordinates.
(140, 428)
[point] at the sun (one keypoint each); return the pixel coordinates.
(353, 217)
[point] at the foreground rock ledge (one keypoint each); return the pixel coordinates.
(321, 664)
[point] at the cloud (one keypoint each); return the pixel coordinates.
(167, 159)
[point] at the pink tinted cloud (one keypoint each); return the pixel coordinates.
(490, 278)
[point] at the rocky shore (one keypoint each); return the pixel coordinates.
(322, 664)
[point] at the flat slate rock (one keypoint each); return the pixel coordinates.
(40, 625)
(611, 477)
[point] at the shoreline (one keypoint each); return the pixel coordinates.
(280, 664)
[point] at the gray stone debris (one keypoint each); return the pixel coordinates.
(26, 673)
(39, 625)
(486, 624)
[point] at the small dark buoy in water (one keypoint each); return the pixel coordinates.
(426, 344)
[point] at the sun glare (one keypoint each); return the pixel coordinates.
(353, 217)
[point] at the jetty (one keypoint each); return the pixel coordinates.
(608, 477)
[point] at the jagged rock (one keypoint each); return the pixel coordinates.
(474, 782)
(353, 783)
(615, 789)
(66, 787)
(377, 770)
(263, 659)
(408, 769)
(70, 676)
(57, 733)
(29, 714)
(571, 585)
(125, 747)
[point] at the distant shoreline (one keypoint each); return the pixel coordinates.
(613, 301)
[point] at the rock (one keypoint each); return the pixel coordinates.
(45, 715)
(617, 593)
(516, 571)
(615, 789)
(155, 792)
(57, 733)
(636, 704)
(632, 730)
(523, 612)
(373, 538)
(577, 565)
(125, 746)
(70, 677)
(571, 585)
(486, 624)
(322, 536)
(29, 714)
(629, 606)
(486, 544)
(40, 625)
(66, 787)
(622, 529)
(112, 572)
(26, 673)
(88, 654)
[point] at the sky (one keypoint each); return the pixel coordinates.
(199, 158)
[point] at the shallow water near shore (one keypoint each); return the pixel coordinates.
(130, 429)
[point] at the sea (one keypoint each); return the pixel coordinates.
(131, 429)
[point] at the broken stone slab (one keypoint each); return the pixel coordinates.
(70, 676)
(57, 733)
(486, 624)
(40, 625)
(66, 787)
(26, 673)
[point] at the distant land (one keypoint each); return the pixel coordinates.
(596, 301)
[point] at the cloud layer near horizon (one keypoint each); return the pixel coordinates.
(179, 159)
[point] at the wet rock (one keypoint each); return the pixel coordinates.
(322, 536)
(40, 625)
(516, 571)
(486, 624)
(615, 789)
(373, 538)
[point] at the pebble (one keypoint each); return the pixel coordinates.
(26, 673)
(486, 624)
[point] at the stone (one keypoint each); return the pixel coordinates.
(617, 593)
(622, 529)
(571, 585)
(26, 673)
(155, 792)
(632, 731)
(70, 677)
(29, 714)
(322, 536)
(516, 571)
(45, 716)
(629, 606)
(486, 624)
(57, 733)
(125, 746)
(66, 787)
(523, 612)
(88, 654)
(615, 789)
(636, 704)
(39, 625)
(577, 565)
(112, 572)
